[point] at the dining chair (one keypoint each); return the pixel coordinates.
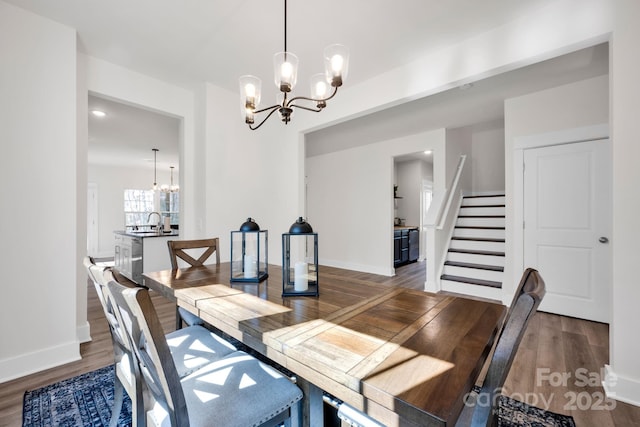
(127, 376)
(481, 409)
(186, 250)
(237, 390)
(190, 348)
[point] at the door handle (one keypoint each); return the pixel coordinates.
(603, 240)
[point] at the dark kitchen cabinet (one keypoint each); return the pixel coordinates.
(397, 246)
(406, 246)
(414, 245)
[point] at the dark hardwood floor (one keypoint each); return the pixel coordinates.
(553, 346)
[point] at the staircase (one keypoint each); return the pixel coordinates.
(475, 259)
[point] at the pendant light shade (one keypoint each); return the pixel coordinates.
(336, 64)
(285, 71)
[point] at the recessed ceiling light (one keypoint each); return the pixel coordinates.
(428, 151)
(98, 113)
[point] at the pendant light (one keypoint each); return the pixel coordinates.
(155, 180)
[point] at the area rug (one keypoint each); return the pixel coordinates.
(512, 413)
(86, 401)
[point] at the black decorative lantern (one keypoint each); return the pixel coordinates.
(300, 260)
(249, 253)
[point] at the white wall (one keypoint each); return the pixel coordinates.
(350, 201)
(625, 108)
(249, 173)
(487, 158)
(38, 135)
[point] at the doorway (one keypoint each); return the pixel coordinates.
(120, 158)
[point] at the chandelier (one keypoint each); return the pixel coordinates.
(336, 60)
(170, 188)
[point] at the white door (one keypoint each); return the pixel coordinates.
(567, 226)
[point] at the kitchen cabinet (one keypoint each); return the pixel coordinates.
(136, 253)
(414, 245)
(397, 246)
(406, 245)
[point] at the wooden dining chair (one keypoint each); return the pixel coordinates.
(186, 250)
(481, 409)
(183, 249)
(237, 390)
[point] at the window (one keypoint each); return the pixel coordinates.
(170, 206)
(138, 204)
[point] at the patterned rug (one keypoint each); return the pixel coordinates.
(86, 401)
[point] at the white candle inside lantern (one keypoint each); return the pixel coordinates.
(301, 281)
(250, 267)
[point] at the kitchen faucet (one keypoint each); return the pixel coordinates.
(159, 220)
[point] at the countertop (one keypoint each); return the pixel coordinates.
(146, 234)
(405, 227)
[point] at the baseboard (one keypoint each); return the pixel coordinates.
(620, 388)
(358, 267)
(30, 363)
(83, 333)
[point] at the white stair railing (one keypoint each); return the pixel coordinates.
(439, 224)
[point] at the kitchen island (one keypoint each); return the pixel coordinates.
(137, 252)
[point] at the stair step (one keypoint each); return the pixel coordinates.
(479, 239)
(472, 289)
(474, 258)
(483, 200)
(480, 221)
(476, 266)
(474, 252)
(478, 244)
(479, 196)
(479, 233)
(478, 227)
(482, 206)
(480, 216)
(481, 210)
(472, 281)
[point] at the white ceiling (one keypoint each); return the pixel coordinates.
(192, 41)
(127, 135)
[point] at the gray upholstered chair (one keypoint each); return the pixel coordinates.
(190, 348)
(127, 375)
(186, 251)
(483, 411)
(237, 390)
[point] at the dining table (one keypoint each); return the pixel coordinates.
(402, 356)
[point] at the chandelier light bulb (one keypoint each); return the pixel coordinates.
(321, 89)
(286, 70)
(250, 90)
(319, 86)
(337, 61)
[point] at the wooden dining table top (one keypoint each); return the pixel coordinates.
(403, 356)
